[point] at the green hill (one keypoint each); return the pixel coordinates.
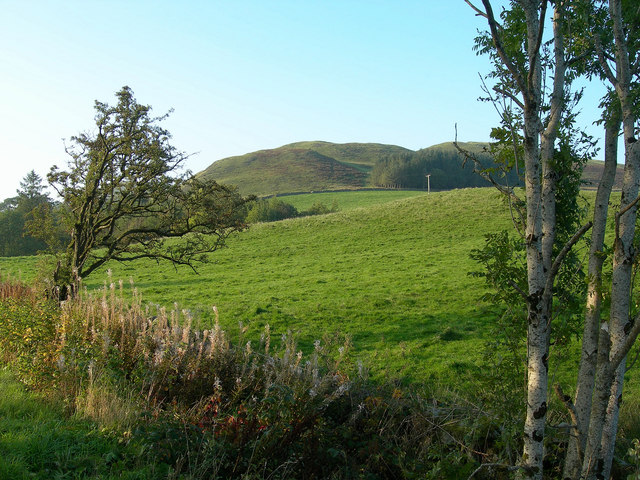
(322, 166)
(391, 274)
(301, 167)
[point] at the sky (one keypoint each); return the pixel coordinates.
(241, 75)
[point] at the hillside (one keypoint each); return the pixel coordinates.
(593, 171)
(322, 166)
(391, 274)
(301, 167)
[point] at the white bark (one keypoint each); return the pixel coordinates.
(540, 229)
(609, 381)
(588, 360)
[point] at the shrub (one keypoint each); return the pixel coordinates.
(319, 208)
(207, 407)
(270, 210)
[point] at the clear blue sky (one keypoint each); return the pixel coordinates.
(241, 75)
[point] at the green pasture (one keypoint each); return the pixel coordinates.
(392, 275)
(389, 269)
(348, 200)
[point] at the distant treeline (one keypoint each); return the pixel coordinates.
(445, 168)
(28, 218)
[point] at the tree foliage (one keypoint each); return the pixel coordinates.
(16, 213)
(531, 83)
(126, 198)
(446, 168)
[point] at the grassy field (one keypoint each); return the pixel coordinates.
(390, 269)
(346, 201)
(391, 275)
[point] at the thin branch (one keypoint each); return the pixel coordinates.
(603, 61)
(628, 344)
(619, 214)
(536, 51)
(479, 12)
(627, 208)
(563, 253)
(478, 168)
(515, 286)
(509, 95)
(566, 400)
(502, 53)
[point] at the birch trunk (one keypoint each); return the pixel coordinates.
(540, 192)
(624, 253)
(608, 390)
(589, 351)
(540, 234)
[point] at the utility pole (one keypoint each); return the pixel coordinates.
(428, 183)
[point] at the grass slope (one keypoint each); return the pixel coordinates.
(392, 275)
(301, 167)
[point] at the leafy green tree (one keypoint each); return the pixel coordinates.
(270, 210)
(15, 213)
(126, 198)
(540, 122)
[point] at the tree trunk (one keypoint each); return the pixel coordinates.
(589, 354)
(540, 232)
(608, 392)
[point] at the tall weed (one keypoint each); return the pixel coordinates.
(208, 406)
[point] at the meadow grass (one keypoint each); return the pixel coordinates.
(38, 440)
(393, 276)
(349, 200)
(392, 273)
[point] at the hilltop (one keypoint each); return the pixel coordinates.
(301, 167)
(324, 166)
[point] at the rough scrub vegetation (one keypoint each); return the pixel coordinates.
(208, 406)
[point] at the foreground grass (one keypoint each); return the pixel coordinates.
(37, 440)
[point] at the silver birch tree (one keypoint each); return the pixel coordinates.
(620, 332)
(525, 75)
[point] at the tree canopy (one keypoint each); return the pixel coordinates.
(126, 196)
(15, 215)
(537, 49)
